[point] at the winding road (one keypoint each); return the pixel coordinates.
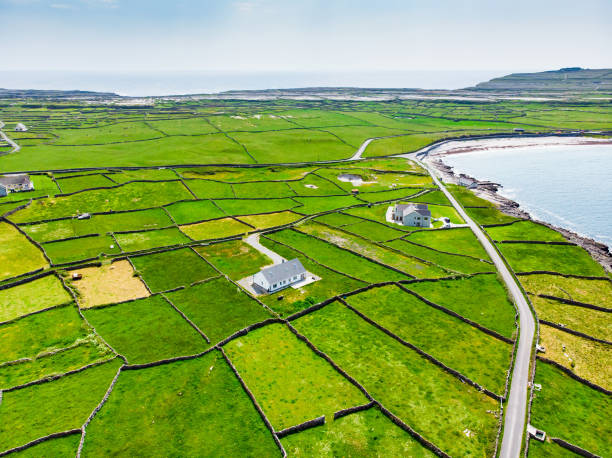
(516, 408)
(15, 146)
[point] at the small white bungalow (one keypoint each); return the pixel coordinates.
(417, 215)
(20, 127)
(280, 276)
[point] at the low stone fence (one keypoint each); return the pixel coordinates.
(576, 333)
(355, 409)
(576, 303)
(319, 421)
(573, 448)
(69, 432)
(456, 315)
(254, 401)
(574, 376)
(425, 355)
(550, 272)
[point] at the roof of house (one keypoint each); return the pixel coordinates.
(406, 209)
(283, 271)
(15, 179)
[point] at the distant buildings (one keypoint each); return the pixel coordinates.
(280, 276)
(417, 215)
(15, 183)
(20, 127)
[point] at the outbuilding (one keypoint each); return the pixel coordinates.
(417, 215)
(20, 127)
(16, 183)
(280, 276)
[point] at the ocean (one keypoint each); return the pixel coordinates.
(567, 186)
(178, 83)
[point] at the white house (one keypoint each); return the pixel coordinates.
(20, 127)
(16, 183)
(417, 215)
(280, 276)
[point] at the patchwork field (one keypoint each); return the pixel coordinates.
(127, 308)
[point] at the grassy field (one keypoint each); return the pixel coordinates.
(170, 269)
(196, 171)
(292, 383)
(525, 230)
(556, 258)
(31, 297)
(431, 401)
(14, 245)
(234, 258)
(137, 241)
(459, 240)
(67, 251)
(482, 358)
(597, 292)
(584, 357)
(35, 334)
(63, 404)
(336, 258)
(365, 434)
(410, 265)
(216, 229)
(482, 299)
(218, 308)
(131, 196)
(98, 224)
(594, 323)
(85, 351)
(572, 411)
(194, 407)
(146, 330)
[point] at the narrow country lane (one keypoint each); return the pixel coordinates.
(15, 146)
(516, 408)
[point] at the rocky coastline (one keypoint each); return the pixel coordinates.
(489, 191)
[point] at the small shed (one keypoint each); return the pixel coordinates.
(16, 183)
(19, 127)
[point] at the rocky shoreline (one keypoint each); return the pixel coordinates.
(489, 191)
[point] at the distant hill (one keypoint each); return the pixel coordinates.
(565, 79)
(54, 94)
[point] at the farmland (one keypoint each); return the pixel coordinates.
(129, 270)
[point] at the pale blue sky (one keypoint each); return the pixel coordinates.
(306, 35)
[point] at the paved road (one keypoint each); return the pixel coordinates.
(516, 408)
(253, 240)
(15, 146)
(361, 149)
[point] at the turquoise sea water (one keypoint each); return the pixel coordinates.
(568, 186)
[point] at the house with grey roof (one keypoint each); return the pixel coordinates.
(417, 215)
(280, 276)
(16, 183)
(19, 127)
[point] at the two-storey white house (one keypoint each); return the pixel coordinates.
(417, 215)
(280, 276)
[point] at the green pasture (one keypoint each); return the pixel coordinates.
(170, 269)
(292, 384)
(146, 330)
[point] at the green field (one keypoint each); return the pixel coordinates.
(151, 202)
(146, 330)
(293, 384)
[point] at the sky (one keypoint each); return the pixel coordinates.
(152, 47)
(305, 35)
